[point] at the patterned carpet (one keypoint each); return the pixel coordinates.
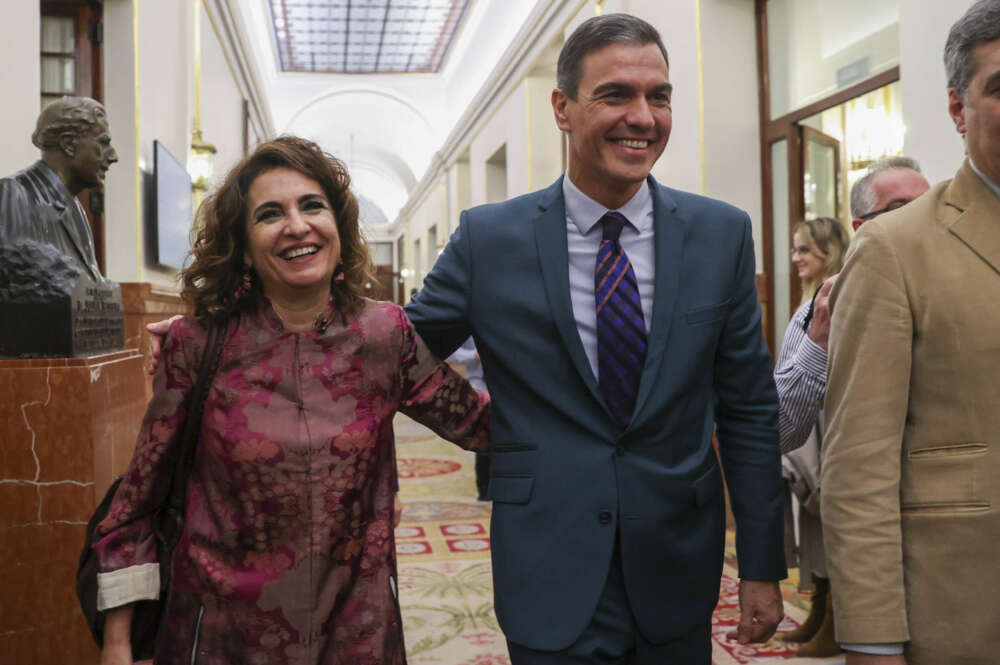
(445, 577)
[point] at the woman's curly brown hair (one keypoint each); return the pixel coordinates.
(211, 282)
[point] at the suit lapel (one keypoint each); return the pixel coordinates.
(978, 222)
(553, 257)
(668, 245)
(66, 204)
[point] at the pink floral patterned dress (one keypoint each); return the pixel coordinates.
(287, 554)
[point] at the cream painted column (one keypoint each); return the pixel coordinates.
(731, 109)
(166, 91)
(544, 140)
(148, 91)
(458, 192)
(507, 129)
(123, 190)
(20, 43)
(680, 164)
(930, 137)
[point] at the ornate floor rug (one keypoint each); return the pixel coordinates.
(445, 577)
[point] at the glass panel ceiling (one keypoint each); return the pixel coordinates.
(364, 36)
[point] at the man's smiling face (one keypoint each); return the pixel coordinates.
(620, 121)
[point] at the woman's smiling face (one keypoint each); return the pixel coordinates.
(292, 239)
(805, 259)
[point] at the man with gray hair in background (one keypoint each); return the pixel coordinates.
(888, 184)
(911, 465)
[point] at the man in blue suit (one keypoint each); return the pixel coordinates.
(618, 326)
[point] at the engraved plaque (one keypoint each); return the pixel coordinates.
(88, 320)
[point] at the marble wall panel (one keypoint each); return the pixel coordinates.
(19, 387)
(18, 503)
(62, 421)
(62, 425)
(117, 425)
(66, 502)
(145, 304)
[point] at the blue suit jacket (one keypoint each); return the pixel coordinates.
(564, 475)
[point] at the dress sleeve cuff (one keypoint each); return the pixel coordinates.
(121, 587)
(886, 649)
(812, 358)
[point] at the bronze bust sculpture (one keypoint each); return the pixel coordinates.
(48, 269)
(39, 203)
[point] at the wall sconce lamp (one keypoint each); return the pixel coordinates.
(201, 162)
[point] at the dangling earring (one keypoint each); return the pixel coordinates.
(246, 283)
(338, 272)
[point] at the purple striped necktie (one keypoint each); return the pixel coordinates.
(621, 329)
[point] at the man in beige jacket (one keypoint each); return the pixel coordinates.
(911, 466)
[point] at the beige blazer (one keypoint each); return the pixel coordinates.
(911, 459)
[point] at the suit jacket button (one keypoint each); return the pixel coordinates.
(604, 517)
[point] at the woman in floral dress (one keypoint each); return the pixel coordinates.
(287, 554)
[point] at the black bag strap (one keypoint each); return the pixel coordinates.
(192, 423)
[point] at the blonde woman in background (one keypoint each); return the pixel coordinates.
(818, 250)
(817, 253)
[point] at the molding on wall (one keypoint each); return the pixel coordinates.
(232, 34)
(547, 20)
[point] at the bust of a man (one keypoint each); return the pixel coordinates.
(53, 299)
(41, 221)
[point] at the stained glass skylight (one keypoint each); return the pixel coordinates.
(364, 36)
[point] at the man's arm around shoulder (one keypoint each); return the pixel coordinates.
(440, 310)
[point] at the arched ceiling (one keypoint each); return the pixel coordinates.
(384, 140)
(386, 127)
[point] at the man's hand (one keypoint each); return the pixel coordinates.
(858, 658)
(819, 328)
(761, 610)
(157, 332)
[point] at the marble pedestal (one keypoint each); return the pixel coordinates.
(67, 428)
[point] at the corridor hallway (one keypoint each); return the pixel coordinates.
(445, 579)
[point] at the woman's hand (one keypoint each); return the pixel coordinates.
(118, 636)
(116, 654)
(397, 511)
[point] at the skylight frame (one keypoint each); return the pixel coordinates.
(364, 36)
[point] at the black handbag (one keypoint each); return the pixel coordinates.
(168, 520)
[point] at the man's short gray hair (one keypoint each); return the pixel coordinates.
(595, 33)
(863, 197)
(67, 115)
(979, 25)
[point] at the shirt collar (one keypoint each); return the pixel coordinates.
(585, 212)
(994, 187)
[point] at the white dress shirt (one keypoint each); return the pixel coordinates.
(800, 377)
(584, 236)
(994, 187)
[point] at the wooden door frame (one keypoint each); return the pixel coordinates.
(785, 127)
(89, 63)
(803, 133)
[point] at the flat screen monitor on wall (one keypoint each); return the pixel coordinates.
(172, 207)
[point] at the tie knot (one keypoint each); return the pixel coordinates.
(613, 223)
